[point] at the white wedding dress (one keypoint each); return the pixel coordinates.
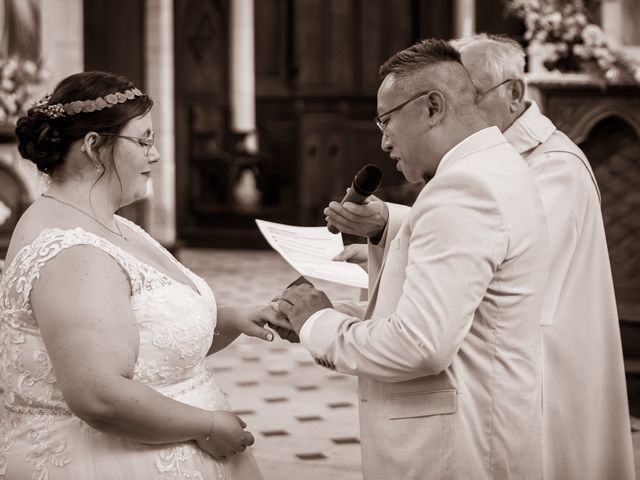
(41, 439)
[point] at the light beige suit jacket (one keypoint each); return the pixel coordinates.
(586, 428)
(448, 357)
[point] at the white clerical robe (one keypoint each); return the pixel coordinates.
(587, 433)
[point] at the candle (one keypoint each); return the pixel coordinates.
(243, 108)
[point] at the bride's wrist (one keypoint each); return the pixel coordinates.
(208, 430)
(226, 319)
(212, 427)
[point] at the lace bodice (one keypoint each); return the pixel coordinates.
(175, 323)
(41, 439)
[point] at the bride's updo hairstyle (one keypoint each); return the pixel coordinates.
(81, 103)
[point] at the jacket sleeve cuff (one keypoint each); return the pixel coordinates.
(305, 331)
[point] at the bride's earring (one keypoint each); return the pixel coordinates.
(82, 149)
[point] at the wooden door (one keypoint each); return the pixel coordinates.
(114, 42)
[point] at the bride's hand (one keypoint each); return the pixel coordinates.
(228, 436)
(252, 319)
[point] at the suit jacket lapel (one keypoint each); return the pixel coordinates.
(373, 295)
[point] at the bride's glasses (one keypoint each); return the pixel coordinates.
(145, 142)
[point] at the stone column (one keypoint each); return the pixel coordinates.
(619, 23)
(464, 18)
(62, 28)
(242, 84)
(612, 19)
(159, 82)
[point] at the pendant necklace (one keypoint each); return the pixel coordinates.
(118, 233)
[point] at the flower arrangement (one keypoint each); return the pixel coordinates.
(560, 31)
(18, 79)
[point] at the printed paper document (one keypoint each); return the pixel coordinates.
(309, 251)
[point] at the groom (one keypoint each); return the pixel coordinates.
(448, 350)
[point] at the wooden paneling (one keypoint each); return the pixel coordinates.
(400, 32)
(273, 44)
(278, 137)
(321, 153)
(114, 42)
(317, 67)
(328, 47)
(201, 86)
(201, 39)
(114, 37)
(310, 42)
(436, 18)
(341, 45)
(492, 18)
(333, 146)
(384, 28)
(324, 45)
(374, 47)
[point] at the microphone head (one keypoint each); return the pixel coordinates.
(367, 180)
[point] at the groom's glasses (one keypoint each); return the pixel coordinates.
(382, 124)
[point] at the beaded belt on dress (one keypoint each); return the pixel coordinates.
(197, 381)
(60, 412)
(192, 383)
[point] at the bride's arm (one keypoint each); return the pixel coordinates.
(248, 319)
(81, 302)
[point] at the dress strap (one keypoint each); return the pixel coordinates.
(24, 270)
(200, 284)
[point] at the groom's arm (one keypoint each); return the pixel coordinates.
(375, 215)
(456, 245)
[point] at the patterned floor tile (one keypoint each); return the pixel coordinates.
(276, 387)
(303, 416)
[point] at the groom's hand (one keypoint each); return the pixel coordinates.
(284, 330)
(299, 302)
(286, 334)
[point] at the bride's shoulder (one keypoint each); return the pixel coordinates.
(37, 221)
(27, 229)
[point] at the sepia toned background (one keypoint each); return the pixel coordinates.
(263, 109)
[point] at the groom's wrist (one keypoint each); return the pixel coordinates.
(307, 327)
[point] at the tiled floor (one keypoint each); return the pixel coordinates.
(304, 417)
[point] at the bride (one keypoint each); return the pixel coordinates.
(103, 333)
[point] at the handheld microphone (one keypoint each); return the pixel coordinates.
(365, 183)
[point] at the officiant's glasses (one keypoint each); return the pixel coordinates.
(482, 94)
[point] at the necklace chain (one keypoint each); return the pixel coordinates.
(118, 233)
